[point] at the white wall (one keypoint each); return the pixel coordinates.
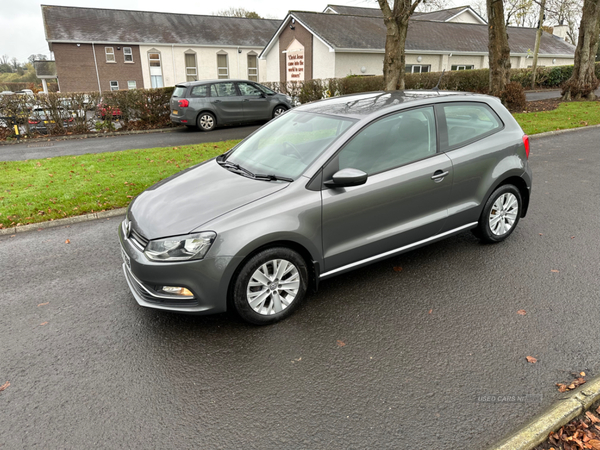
(324, 61)
(173, 63)
(351, 63)
(466, 17)
(271, 63)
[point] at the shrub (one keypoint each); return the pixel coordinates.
(513, 96)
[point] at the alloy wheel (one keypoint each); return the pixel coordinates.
(273, 287)
(503, 214)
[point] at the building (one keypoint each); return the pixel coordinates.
(106, 49)
(345, 40)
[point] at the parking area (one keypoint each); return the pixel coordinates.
(400, 354)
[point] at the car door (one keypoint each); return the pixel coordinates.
(226, 102)
(256, 104)
(404, 199)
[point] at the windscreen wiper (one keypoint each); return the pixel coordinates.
(236, 167)
(271, 177)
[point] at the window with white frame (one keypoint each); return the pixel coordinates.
(222, 65)
(191, 66)
(252, 66)
(110, 54)
(462, 67)
(114, 85)
(417, 68)
(131, 84)
(127, 54)
(156, 79)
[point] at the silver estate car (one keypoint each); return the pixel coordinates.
(325, 188)
(206, 104)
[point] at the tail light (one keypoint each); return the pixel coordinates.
(33, 122)
(183, 103)
(526, 143)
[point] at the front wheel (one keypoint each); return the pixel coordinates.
(270, 286)
(500, 215)
(279, 110)
(206, 121)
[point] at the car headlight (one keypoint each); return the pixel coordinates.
(289, 99)
(180, 248)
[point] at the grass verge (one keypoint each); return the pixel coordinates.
(567, 115)
(53, 188)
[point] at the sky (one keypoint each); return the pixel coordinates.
(22, 29)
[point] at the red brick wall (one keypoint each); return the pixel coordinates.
(303, 36)
(77, 72)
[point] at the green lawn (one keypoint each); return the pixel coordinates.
(44, 189)
(567, 115)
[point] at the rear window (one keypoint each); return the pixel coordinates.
(468, 122)
(179, 91)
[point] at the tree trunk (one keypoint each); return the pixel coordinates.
(394, 62)
(499, 51)
(538, 38)
(583, 82)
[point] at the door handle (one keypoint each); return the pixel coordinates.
(439, 175)
(216, 101)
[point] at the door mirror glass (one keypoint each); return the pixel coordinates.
(347, 177)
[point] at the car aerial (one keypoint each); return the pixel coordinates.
(206, 104)
(328, 187)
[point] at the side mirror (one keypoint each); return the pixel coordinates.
(347, 177)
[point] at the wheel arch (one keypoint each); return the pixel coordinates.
(206, 110)
(520, 184)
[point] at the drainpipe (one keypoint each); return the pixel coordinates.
(96, 64)
(173, 55)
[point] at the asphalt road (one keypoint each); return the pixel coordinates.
(546, 94)
(378, 359)
(181, 136)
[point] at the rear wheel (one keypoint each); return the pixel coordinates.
(500, 215)
(270, 286)
(206, 121)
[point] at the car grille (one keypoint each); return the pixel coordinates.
(148, 294)
(137, 239)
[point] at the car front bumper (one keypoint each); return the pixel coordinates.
(204, 278)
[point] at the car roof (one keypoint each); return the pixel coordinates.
(197, 83)
(361, 105)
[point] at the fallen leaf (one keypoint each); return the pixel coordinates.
(340, 343)
(397, 269)
(531, 359)
(430, 311)
(68, 241)
(594, 443)
(582, 374)
(592, 417)
(4, 386)
(541, 234)
(522, 312)
(554, 271)
(44, 304)
(43, 323)
(562, 387)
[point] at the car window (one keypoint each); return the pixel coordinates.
(287, 145)
(223, 90)
(179, 91)
(200, 91)
(249, 89)
(468, 121)
(390, 142)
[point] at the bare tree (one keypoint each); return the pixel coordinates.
(583, 82)
(499, 51)
(237, 12)
(4, 59)
(396, 23)
(433, 5)
(565, 12)
(520, 13)
(538, 38)
(480, 7)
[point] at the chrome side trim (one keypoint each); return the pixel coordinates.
(152, 294)
(397, 250)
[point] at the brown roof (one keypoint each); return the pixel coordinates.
(368, 33)
(71, 24)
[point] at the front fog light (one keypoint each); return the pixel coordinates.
(176, 290)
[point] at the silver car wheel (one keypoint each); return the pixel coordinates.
(279, 111)
(273, 287)
(503, 214)
(206, 122)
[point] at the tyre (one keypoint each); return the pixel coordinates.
(206, 121)
(500, 215)
(270, 286)
(279, 110)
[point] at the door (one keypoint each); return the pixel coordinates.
(226, 102)
(256, 104)
(404, 199)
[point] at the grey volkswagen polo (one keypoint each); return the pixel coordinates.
(323, 189)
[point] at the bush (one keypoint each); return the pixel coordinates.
(513, 97)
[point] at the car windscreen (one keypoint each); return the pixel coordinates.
(286, 146)
(179, 91)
